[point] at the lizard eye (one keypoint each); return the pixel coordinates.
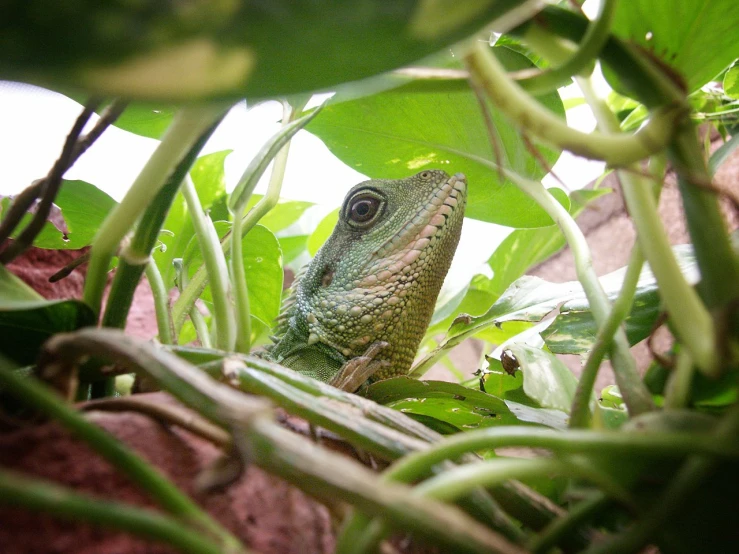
(363, 208)
(425, 175)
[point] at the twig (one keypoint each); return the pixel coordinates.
(48, 187)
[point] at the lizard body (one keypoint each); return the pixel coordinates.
(363, 304)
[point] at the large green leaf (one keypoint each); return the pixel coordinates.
(456, 405)
(83, 208)
(399, 132)
(27, 320)
(208, 175)
(171, 50)
(697, 38)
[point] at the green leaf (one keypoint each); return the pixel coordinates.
(263, 267)
(399, 132)
(83, 207)
(211, 50)
(208, 175)
(322, 232)
(27, 320)
(545, 378)
(456, 405)
(731, 82)
(697, 38)
(145, 119)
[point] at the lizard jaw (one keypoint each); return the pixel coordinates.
(398, 254)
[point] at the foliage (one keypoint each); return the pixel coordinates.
(630, 461)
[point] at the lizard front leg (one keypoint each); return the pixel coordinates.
(354, 373)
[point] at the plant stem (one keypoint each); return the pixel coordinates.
(677, 391)
(34, 394)
(135, 255)
(460, 480)
(587, 52)
(536, 119)
(277, 147)
(321, 473)
(161, 302)
(188, 125)
(19, 491)
(718, 263)
(689, 317)
(580, 411)
(241, 292)
(216, 266)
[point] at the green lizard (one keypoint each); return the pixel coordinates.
(360, 309)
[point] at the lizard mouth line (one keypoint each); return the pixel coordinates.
(399, 253)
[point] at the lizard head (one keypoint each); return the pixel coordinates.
(378, 275)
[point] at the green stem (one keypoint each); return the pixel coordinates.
(243, 317)
(33, 393)
(135, 256)
(460, 480)
(19, 491)
(580, 412)
(216, 266)
(718, 263)
(187, 127)
(595, 38)
(329, 476)
(241, 291)
(677, 391)
(527, 113)
(161, 302)
(277, 148)
(689, 317)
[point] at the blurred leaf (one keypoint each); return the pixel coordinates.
(83, 207)
(399, 132)
(292, 247)
(27, 320)
(698, 38)
(165, 50)
(545, 378)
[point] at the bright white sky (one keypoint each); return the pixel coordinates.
(34, 123)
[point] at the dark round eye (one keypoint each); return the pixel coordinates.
(425, 175)
(363, 208)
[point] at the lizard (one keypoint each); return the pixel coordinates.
(359, 310)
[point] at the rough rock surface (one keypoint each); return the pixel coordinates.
(266, 513)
